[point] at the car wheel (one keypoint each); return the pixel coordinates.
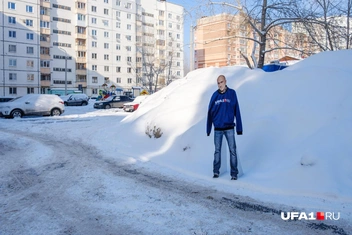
(16, 113)
(84, 103)
(107, 106)
(55, 112)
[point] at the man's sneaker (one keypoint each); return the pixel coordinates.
(234, 178)
(216, 175)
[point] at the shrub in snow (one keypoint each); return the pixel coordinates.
(153, 131)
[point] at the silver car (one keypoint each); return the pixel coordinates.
(34, 105)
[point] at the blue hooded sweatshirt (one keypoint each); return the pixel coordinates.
(222, 110)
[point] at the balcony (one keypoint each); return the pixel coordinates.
(44, 56)
(81, 11)
(81, 72)
(81, 48)
(45, 83)
(45, 18)
(44, 3)
(45, 43)
(44, 31)
(45, 70)
(81, 35)
(81, 59)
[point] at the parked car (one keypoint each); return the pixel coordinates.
(133, 106)
(75, 100)
(32, 104)
(113, 101)
(6, 98)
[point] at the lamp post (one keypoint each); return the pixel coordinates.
(65, 69)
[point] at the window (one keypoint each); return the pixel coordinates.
(170, 16)
(81, 17)
(94, 79)
(11, 5)
(106, 34)
(94, 20)
(129, 80)
(129, 38)
(12, 90)
(161, 13)
(106, 57)
(30, 36)
(106, 11)
(30, 50)
(106, 23)
(94, 32)
(12, 62)
(94, 67)
(118, 58)
(94, 44)
(118, 69)
(129, 70)
(178, 27)
(12, 76)
(12, 20)
(12, 48)
(29, 9)
(106, 1)
(118, 47)
(118, 80)
(170, 25)
(94, 9)
(94, 55)
(44, 24)
(30, 90)
(30, 63)
(129, 58)
(128, 48)
(118, 25)
(118, 36)
(106, 68)
(129, 27)
(129, 16)
(161, 22)
(178, 36)
(29, 23)
(118, 3)
(118, 14)
(106, 45)
(12, 34)
(45, 63)
(30, 76)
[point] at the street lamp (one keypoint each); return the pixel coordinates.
(65, 69)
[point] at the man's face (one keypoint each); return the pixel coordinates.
(221, 83)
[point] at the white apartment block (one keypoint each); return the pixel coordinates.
(58, 45)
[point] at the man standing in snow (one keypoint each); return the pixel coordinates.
(222, 110)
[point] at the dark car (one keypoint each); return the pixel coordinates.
(76, 100)
(113, 101)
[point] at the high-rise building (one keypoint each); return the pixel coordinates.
(57, 46)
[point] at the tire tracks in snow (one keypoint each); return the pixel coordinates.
(71, 157)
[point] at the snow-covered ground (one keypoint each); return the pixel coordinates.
(295, 153)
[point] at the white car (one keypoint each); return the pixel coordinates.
(33, 104)
(133, 106)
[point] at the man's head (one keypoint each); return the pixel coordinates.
(221, 83)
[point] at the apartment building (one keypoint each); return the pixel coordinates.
(53, 46)
(220, 41)
(19, 47)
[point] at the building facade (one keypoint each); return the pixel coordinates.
(49, 46)
(220, 40)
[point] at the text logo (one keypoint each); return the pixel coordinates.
(310, 216)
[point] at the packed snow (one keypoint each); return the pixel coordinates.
(295, 150)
